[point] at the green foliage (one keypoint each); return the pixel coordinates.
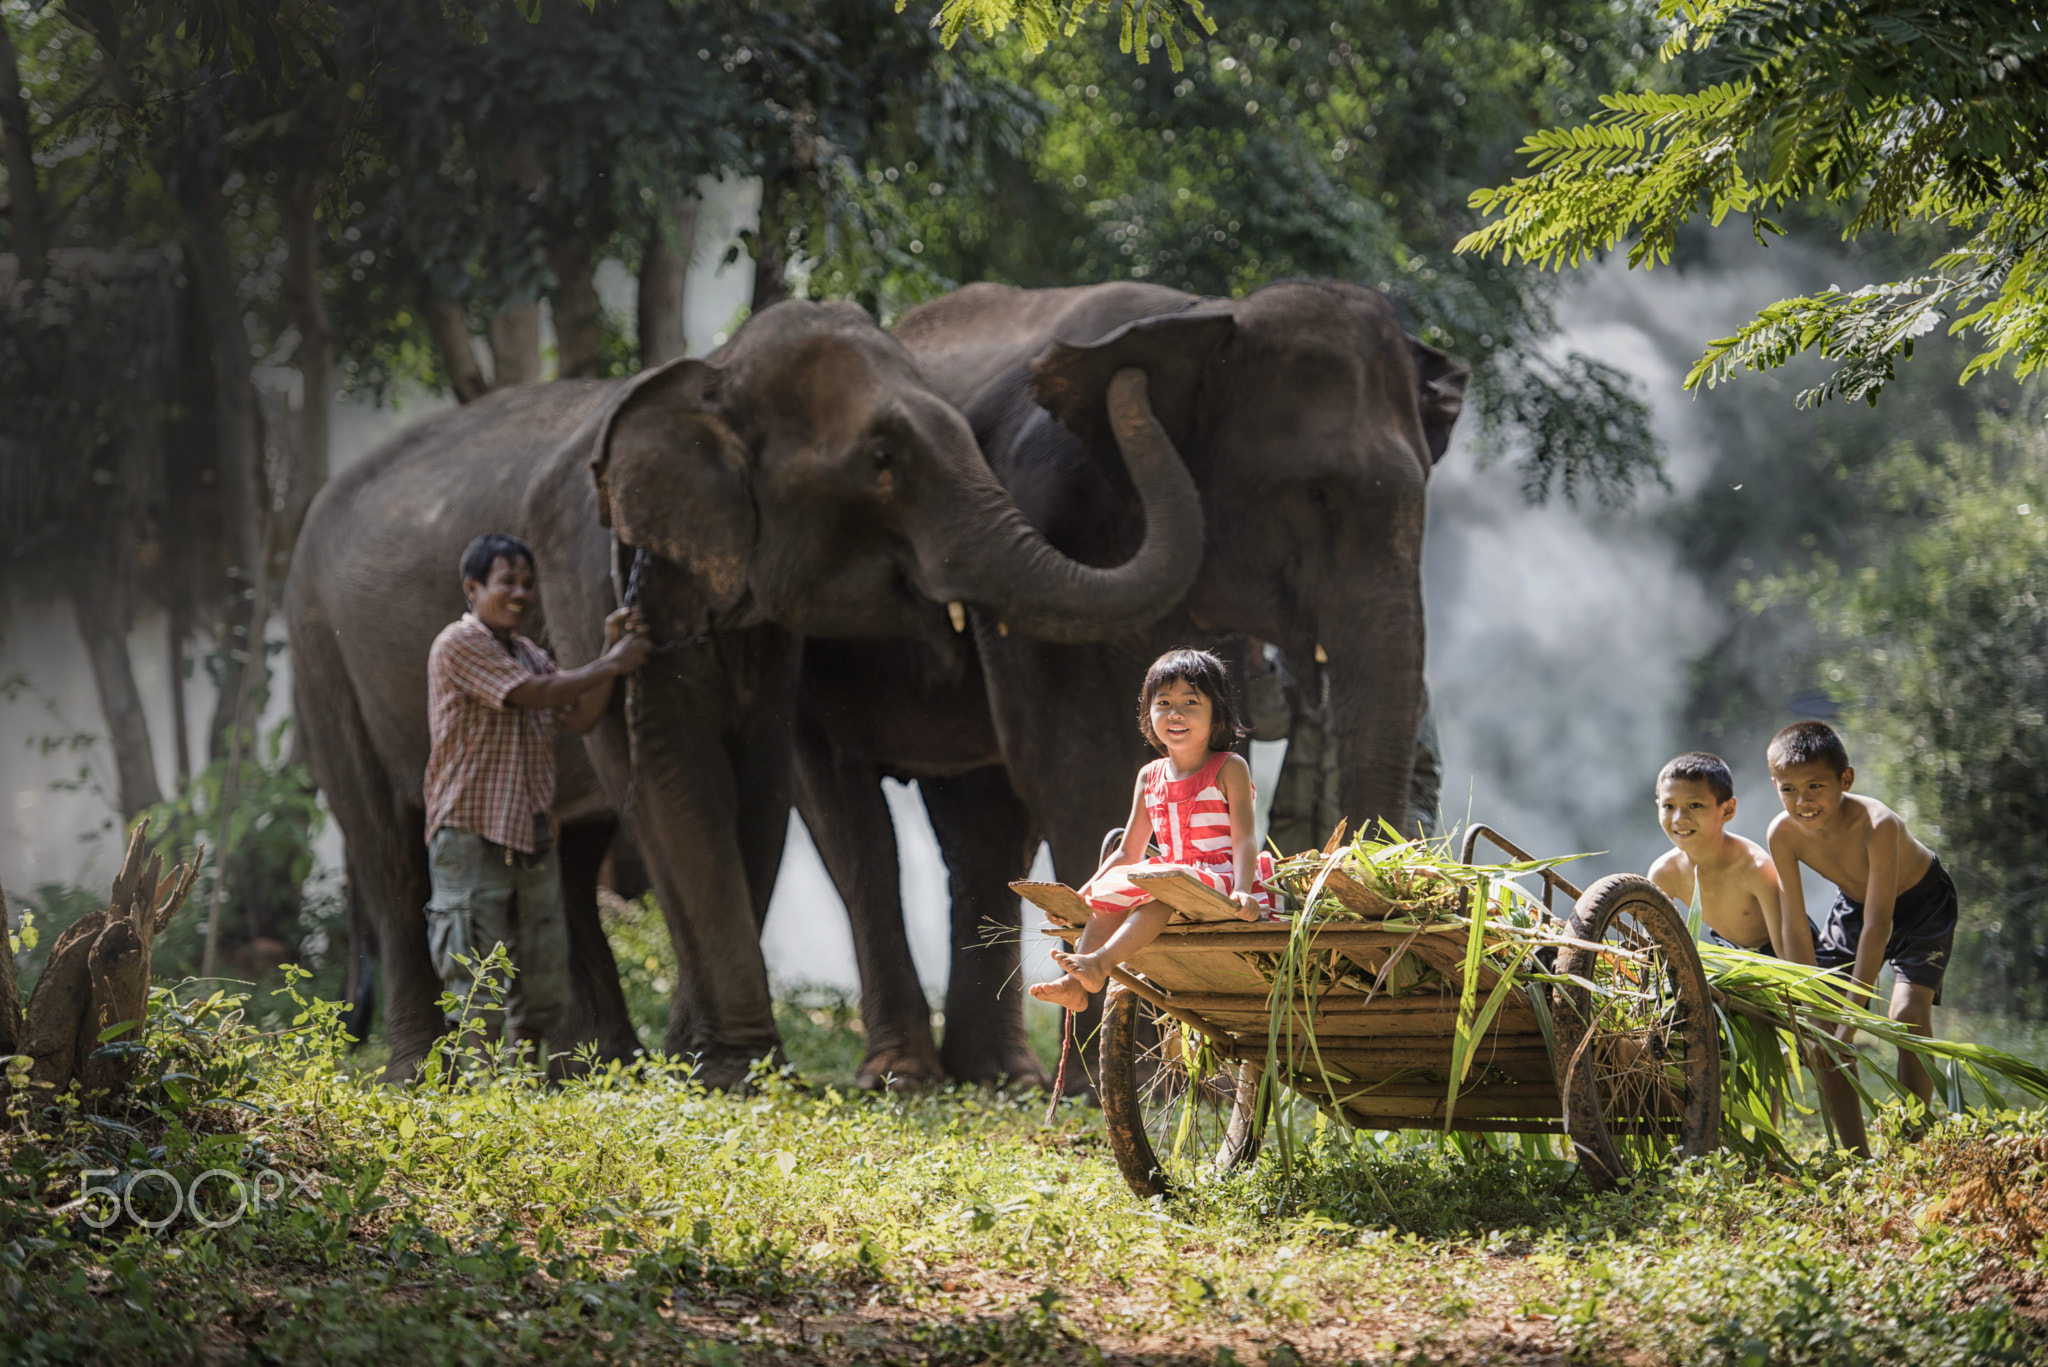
(1897, 110)
(1040, 21)
(1936, 650)
(266, 852)
(625, 1217)
(1298, 142)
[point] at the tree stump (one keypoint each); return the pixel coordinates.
(97, 978)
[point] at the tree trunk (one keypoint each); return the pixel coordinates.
(450, 328)
(664, 285)
(315, 355)
(10, 990)
(579, 317)
(99, 597)
(515, 346)
(770, 286)
(238, 450)
(181, 728)
(24, 188)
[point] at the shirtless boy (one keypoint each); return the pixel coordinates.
(1732, 879)
(1736, 884)
(1894, 902)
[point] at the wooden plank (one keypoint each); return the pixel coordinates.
(1367, 1121)
(1426, 1102)
(1056, 900)
(1192, 900)
(1356, 897)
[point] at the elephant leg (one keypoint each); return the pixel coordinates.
(623, 870)
(761, 762)
(386, 845)
(597, 1015)
(361, 992)
(988, 841)
(840, 798)
(682, 804)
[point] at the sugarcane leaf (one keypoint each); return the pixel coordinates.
(1494, 1001)
(1468, 998)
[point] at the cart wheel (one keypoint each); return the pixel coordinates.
(1640, 1065)
(1167, 1127)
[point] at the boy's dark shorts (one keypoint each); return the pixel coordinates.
(1923, 931)
(1716, 937)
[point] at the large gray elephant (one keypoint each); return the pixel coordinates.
(804, 480)
(1310, 422)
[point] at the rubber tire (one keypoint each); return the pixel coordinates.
(1584, 1114)
(1123, 1111)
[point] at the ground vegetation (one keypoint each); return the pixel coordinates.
(629, 1218)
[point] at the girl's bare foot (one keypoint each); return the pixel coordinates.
(1083, 968)
(1067, 992)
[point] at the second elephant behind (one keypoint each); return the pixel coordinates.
(1310, 422)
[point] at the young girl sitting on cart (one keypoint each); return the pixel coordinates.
(1195, 804)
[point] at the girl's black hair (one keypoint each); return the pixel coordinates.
(488, 549)
(1210, 677)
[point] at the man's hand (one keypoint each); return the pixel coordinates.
(625, 641)
(622, 621)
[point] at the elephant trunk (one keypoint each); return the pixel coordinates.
(1013, 573)
(1376, 699)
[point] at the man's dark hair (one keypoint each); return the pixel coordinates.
(1803, 742)
(490, 548)
(1697, 766)
(1208, 675)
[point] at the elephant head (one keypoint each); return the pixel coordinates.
(1310, 424)
(805, 474)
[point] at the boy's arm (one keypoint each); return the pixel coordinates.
(1789, 941)
(1791, 896)
(1879, 895)
(1244, 845)
(1671, 879)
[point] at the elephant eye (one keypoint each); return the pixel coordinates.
(1316, 494)
(879, 453)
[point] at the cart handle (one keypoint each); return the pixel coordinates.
(1553, 881)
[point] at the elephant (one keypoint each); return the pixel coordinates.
(1310, 423)
(802, 481)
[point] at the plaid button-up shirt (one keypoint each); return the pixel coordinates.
(492, 768)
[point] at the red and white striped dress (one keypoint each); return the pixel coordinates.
(1191, 826)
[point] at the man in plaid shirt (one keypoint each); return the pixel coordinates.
(494, 699)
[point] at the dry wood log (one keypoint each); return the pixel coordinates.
(62, 999)
(97, 977)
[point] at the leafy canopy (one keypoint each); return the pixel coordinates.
(1903, 113)
(1040, 21)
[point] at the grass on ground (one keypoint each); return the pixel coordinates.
(632, 1217)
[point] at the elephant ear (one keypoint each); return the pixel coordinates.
(672, 477)
(1440, 380)
(1070, 380)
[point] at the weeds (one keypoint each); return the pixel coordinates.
(632, 1216)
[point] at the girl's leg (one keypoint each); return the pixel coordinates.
(1068, 990)
(1091, 965)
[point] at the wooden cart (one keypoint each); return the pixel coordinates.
(1188, 1029)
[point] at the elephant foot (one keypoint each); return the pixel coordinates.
(899, 1068)
(728, 1070)
(1011, 1066)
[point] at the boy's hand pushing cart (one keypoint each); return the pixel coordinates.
(1605, 1033)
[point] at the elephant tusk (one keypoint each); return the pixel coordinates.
(1322, 656)
(958, 612)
